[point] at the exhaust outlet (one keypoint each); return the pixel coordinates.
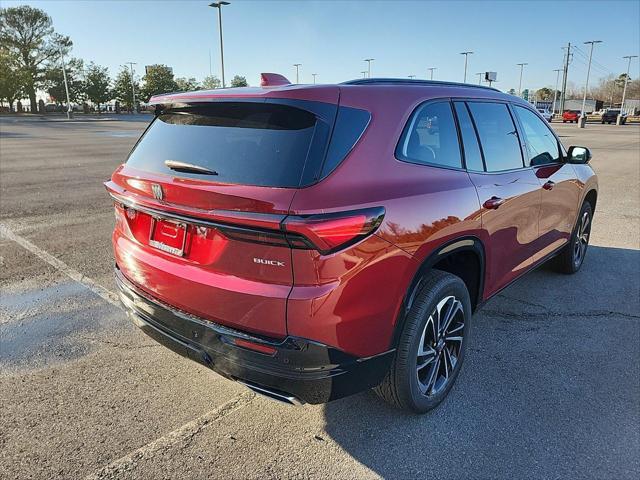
(272, 394)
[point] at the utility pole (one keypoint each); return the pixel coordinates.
(520, 84)
(314, 77)
(480, 77)
(66, 85)
(431, 72)
(466, 57)
(297, 65)
(555, 92)
(369, 60)
(583, 119)
(219, 5)
(624, 90)
(563, 93)
(133, 88)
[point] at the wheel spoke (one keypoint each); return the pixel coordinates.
(425, 360)
(453, 339)
(458, 327)
(433, 376)
(455, 306)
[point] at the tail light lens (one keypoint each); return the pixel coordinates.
(334, 231)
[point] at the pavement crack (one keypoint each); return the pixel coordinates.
(179, 438)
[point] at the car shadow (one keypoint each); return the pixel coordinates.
(549, 387)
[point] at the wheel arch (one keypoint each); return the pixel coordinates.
(448, 257)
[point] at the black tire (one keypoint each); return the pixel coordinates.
(571, 257)
(564, 121)
(409, 386)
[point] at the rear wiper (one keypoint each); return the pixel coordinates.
(188, 167)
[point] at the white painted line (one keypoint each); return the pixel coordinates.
(180, 436)
(87, 282)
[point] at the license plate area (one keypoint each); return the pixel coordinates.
(168, 236)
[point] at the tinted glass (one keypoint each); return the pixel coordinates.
(498, 136)
(432, 137)
(472, 155)
(542, 145)
(349, 125)
(246, 143)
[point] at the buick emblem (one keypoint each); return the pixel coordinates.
(157, 191)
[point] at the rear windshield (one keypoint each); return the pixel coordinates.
(265, 144)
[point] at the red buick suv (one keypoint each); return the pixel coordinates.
(313, 241)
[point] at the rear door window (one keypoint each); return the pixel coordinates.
(498, 136)
(431, 137)
(542, 145)
(263, 144)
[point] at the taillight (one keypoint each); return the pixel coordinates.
(334, 231)
(327, 232)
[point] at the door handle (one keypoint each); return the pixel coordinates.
(493, 203)
(549, 185)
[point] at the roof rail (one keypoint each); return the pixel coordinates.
(410, 81)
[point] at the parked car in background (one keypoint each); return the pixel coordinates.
(570, 116)
(611, 116)
(313, 241)
(546, 114)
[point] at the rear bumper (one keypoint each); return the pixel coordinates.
(300, 369)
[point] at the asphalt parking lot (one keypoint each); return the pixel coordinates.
(550, 387)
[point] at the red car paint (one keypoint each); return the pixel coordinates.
(350, 299)
(571, 116)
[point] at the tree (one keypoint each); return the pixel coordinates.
(211, 82)
(97, 84)
(544, 93)
(157, 80)
(187, 84)
(27, 33)
(122, 88)
(11, 78)
(54, 81)
(239, 81)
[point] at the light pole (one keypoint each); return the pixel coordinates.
(133, 88)
(520, 84)
(555, 92)
(219, 5)
(431, 72)
(364, 74)
(466, 57)
(412, 77)
(66, 85)
(624, 90)
(297, 65)
(480, 77)
(369, 60)
(583, 120)
(314, 77)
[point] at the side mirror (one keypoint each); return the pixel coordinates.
(578, 155)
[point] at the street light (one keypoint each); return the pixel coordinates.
(412, 77)
(624, 90)
(466, 57)
(133, 88)
(297, 65)
(583, 120)
(520, 84)
(66, 85)
(431, 72)
(314, 77)
(219, 5)
(555, 92)
(369, 60)
(364, 74)
(480, 77)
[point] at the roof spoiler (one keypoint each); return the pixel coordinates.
(273, 80)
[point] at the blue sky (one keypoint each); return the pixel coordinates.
(332, 37)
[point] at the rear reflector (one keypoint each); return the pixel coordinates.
(256, 347)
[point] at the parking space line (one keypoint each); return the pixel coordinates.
(59, 265)
(181, 436)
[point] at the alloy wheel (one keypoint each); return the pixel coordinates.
(440, 346)
(582, 239)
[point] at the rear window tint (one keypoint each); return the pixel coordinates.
(264, 144)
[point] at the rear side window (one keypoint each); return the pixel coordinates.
(472, 154)
(542, 145)
(498, 136)
(431, 137)
(263, 144)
